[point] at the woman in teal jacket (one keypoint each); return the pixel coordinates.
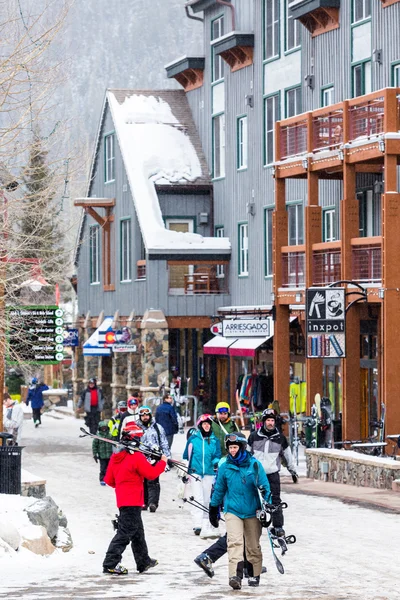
(203, 452)
(239, 480)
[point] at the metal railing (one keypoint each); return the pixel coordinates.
(327, 130)
(326, 267)
(293, 138)
(367, 264)
(366, 118)
(293, 269)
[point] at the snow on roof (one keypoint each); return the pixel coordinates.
(157, 149)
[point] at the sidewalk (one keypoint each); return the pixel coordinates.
(384, 500)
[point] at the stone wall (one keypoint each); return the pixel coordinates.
(352, 468)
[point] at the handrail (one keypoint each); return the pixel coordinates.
(367, 241)
(321, 246)
(293, 249)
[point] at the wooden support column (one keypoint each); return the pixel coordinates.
(390, 331)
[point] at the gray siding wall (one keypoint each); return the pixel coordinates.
(187, 205)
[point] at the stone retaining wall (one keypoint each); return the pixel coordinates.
(352, 468)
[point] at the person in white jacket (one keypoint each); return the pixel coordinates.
(13, 418)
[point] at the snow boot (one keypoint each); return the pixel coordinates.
(278, 531)
(205, 563)
(246, 573)
(153, 562)
(254, 581)
(102, 483)
(235, 583)
(152, 507)
(118, 570)
(196, 530)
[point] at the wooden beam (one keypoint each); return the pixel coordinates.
(97, 202)
(188, 322)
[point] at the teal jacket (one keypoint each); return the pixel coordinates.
(236, 487)
(204, 454)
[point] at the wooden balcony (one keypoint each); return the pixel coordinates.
(293, 267)
(367, 260)
(326, 263)
(356, 131)
(186, 278)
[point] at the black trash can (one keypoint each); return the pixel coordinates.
(10, 469)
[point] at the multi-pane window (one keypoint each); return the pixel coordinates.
(293, 30)
(94, 253)
(217, 30)
(218, 103)
(361, 74)
(329, 225)
(293, 102)
(361, 10)
(296, 224)
(126, 250)
(271, 28)
(327, 96)
(220, 233)
(369, 210)
(396, 75)
(243, 249)
(109, 165)
(219, 146)
(271, 108)
(242, 144)
(268, 241)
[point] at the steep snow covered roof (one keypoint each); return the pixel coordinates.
(160, 147)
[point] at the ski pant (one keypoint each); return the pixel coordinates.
(275, 485)
(241, 533)
(103, 467)
(152, 491)
(130, 531)
(36, 415)
(92, 420)
(220, 547)
(170, 439)
(201, 491)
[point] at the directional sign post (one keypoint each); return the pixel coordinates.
(35, 335)
(326, 322)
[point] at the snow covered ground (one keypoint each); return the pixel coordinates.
(343, 552)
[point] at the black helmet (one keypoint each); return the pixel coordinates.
(237, 438)
(93, 380)
(269, 413)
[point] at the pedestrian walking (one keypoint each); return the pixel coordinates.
(35, 397)
(203, 452)
(92, 402)
(153, 437)
(113, 423)
(126, 472)
(166, 417)
(102, 451)
(13, 419)
(130, 416)
(237, 487)
(223, 424)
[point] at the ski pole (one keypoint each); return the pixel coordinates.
(193, 499)
(188, 473)
(199, 507)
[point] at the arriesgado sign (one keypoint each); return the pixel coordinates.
(240, 328)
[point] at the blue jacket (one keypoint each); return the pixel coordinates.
(35, 395)
(236, 487)
(166, 417)
(205, 453)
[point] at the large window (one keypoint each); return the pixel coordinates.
(271, 28)
(217, 30)
(329, 225)
(327, 96)
(361, 75)
(243, 249)
(109, 164)
(292, 37)
(369, 210)
(293, 102)
(361, 10)
(126, 250)
(268, 240)
(272, 114)
(242, 144)
(218, 103)
(220, 233)
(296, 224)
(218, 125)
(94, 253)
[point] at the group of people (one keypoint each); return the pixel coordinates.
(13, 413)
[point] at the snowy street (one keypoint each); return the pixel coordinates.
(342, 552)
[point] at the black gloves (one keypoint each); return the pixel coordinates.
(170, 463)
(213, 515)
(96, 458)
(294, 475)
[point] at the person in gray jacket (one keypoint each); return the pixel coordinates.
(92, 401)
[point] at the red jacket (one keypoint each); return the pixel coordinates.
(126, 473)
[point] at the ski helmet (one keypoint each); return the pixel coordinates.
(93, 380)
(34, 380)
(132, 431)
(269, 413)
(204, 418)
(122, 406)
(144, 410)
(132, 402)
(222, 407)
(237, 438)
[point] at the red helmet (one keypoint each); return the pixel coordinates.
(132, 402)
(203, 418)
(132, 431)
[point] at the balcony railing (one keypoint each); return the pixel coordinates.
(141, 269)
(293, 138)
(327, 127)
(200, 278)
(326, 267)
(293, 269)
(367, 264)
(366, 118)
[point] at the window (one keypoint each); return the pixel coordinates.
(217, 30)
(361, 10)
(218, 126)
(327, 96)
(396, 75)
(94, 253)
(242, 146)
(126, 250)
(109, 143)
(361, 74)
(271, 28)
(271, 109)
(220, 233)
(369, 210)
(329, 225)
(268, 240)
(243, 249)
(296, 227)
(292, 39)
(293, 102)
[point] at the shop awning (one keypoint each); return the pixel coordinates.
(95, 345)
(218, 345)
(246, 346)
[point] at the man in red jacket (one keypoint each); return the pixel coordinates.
(126, 471)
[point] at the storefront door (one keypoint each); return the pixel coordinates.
(369, 400)
(222, 380)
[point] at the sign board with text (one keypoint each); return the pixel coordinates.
(248, 328)
(326, 322)
(35, 335)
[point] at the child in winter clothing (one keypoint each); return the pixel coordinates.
(102, 450)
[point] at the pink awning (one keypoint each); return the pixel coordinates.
(246, 346)
(218, 345)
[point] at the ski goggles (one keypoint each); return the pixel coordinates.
(234, 438)
(223, 410)
(144, 412)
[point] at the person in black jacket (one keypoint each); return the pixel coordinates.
(167, 418)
